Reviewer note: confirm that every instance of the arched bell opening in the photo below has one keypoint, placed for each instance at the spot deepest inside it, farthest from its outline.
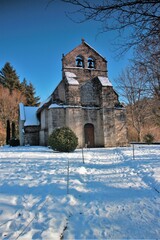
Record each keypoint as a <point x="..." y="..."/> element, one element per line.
<point x="91" y="63"/>
<point x="79" y="61"/>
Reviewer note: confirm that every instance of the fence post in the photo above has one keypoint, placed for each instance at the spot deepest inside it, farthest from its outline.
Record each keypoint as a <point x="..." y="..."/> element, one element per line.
<point x="82" y="155"/>
<point x="68" y="177"/>
<point x="133" y="151"/>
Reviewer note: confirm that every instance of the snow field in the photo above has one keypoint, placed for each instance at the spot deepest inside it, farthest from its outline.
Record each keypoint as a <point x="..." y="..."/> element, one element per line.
<point x="110" y="196"/>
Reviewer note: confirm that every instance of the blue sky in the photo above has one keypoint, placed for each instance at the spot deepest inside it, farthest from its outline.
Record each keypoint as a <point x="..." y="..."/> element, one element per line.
<point x="33" y="37"/>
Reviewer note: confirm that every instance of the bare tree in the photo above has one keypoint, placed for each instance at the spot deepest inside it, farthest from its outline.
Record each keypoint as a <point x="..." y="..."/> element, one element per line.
<point x="147" y="61"/>
<point x="140" y="17"/>
<point x="133" y="89"/>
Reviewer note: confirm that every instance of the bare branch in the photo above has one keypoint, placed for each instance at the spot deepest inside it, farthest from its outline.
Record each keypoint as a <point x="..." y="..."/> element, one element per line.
<point x="141" y="17"/>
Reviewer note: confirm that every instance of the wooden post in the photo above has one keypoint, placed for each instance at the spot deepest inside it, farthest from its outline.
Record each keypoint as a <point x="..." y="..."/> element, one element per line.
<point x="68" y="177"/>
<point x="133" y="152"/>
<point x="8" y="136"/>
<point x="13" y="130"/>
<point x="82" y="155"/>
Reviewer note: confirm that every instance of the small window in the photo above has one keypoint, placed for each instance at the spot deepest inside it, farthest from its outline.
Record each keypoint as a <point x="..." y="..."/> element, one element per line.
<point x="91" y="62"/>
<point x="79" y="61"/>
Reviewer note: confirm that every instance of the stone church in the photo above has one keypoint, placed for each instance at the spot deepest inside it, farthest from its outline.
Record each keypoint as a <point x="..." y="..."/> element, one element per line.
<point x="84" y="100"/>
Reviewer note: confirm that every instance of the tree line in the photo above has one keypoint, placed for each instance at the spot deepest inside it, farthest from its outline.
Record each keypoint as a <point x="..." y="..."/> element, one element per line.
<point x="139" y="84"/>
<point x="12" y="92"/>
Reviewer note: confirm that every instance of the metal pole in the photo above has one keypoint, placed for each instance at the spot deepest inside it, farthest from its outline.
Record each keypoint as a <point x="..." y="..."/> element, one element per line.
<point x="82" y="155"/>
<point x="133" y="152"/>
<point x="68" y="178"/>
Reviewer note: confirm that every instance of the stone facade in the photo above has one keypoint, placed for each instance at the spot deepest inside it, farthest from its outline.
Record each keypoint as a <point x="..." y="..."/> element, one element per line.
<point x="85" y="101"/>
<point x="32" y="135"/>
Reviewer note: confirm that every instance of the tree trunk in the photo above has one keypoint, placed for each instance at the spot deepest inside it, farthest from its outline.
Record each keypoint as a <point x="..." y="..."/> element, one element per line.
<point x="13" y="130"/>
<point x="8" y="132"/>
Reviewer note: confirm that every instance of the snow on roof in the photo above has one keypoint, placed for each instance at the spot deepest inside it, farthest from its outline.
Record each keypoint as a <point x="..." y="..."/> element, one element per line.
<point x="54" y="105"/>
<point x="105" y="81"/>
<point x="30" y="116"/>
<point x="71" y="78"/>
<point x="21" y="112"/>
<point x="46" y="101"/>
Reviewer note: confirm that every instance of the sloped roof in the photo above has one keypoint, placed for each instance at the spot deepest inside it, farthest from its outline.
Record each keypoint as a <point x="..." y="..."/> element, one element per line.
<point x="28" y="115"/>
<point x="21" y="112"/>
<point x="83" y="42"/>
<point x="45" y="101"/>
<point x="54" y="105"/>
<point x="44" y="104"/>
<point x="71" y="78"/>
<point x="105" y="81"/>
<point x="31" y="117"/>
<point x="86" y="44"/>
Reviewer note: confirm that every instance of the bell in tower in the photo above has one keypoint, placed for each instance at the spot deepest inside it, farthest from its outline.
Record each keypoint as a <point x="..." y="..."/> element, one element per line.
<point x="91" y="63"/>
<point x="79" y="62"/>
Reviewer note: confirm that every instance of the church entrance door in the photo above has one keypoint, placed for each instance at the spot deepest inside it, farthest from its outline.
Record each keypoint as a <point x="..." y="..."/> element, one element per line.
<point x="89" y="134"/>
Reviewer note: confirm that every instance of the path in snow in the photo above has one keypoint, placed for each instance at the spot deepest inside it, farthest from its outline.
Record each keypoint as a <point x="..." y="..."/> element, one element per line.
<point x="110" y="196"/>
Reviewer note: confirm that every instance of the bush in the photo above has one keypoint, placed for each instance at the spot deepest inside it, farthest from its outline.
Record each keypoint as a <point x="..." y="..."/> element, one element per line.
<point x="63" y="140"/>
<point x="14" y="142"/>
<point x="148" y="138"/>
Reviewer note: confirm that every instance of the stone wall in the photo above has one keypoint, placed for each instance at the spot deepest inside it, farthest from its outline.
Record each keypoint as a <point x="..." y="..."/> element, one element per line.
<point x="108" y="97"/>
<point x="56" y="118"/>
<point x="31" y="135"/>
<point x="76" y="118"/>
<point x="43" y="135"/>
<point x="121" y="127"/>
<point x="115" y="130"/>
<point x="72" y="95"/>
<point x="109" y="124"/>
<point x="109" y="127"/>
<point x="59" y="94"/>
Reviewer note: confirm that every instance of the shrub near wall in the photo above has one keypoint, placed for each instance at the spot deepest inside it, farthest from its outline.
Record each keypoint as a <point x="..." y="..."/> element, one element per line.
<point x="14" y="142"/>
<point x="148" y="138"/>
<point x="63" y="140"/>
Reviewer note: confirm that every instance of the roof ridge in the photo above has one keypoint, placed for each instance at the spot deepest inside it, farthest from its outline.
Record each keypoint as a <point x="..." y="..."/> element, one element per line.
<point x="84" y="42"/>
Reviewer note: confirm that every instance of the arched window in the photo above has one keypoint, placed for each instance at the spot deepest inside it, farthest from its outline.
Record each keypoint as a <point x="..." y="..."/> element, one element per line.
<point x="91" y="62"/>
<point x="79" y="61"/>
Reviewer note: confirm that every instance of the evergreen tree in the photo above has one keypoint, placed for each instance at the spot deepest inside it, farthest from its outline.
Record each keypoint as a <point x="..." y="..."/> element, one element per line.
<point x="24" y="86"/>
<point x="12" y="92"/>
<point x="9" y="78"/>
<point x="29" y="92"/>
<point x="30" y="96"/>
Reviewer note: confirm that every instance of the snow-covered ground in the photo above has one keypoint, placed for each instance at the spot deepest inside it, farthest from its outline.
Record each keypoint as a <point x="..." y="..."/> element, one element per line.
<point x="110" y="196"/>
